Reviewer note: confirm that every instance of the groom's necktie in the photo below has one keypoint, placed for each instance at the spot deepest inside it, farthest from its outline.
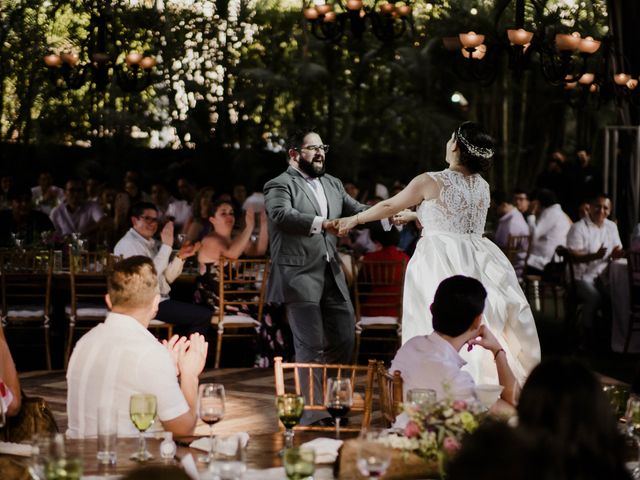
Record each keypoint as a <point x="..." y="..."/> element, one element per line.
<point x="318" y="192"/>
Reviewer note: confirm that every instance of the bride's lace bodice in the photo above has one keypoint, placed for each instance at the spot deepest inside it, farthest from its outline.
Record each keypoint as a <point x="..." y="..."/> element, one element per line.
<point x="460" y="206"/>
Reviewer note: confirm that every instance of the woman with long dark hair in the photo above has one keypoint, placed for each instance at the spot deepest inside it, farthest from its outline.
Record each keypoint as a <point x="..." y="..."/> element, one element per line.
<point x="562" y="402"/>
<point x="453" y="205"/>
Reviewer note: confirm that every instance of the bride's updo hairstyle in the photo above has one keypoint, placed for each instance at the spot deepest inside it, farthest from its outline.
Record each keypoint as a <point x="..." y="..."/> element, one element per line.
<point x="476" y="146"/>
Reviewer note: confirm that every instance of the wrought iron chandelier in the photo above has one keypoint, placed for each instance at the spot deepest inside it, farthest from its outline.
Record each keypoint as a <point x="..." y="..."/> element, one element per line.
<point x="132" y="71"/>
<point x="564" y="56"/>
<point x="389" y="20"/>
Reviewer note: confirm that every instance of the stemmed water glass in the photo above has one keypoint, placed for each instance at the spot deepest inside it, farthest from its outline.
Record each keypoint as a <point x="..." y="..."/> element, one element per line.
<point x="374" y="455"/>
<point x="632" y="417"/>
<point x="338" y="399"/>
<point x="290" y="408"/>
<point x="210" y="410"/>
<point x="142" y="410"/>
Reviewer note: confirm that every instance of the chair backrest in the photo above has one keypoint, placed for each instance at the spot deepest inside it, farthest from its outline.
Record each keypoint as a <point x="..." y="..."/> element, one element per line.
<point x="517" y="244"/>
<point x="26" y="279"/>
<point x="88" y="279"/>
<point x="633" y="265"/>
<point x="378" y="287"/>
<point x="242" y="282"/>
<point x="288" y="380"/>
<point x="390" y="387"/>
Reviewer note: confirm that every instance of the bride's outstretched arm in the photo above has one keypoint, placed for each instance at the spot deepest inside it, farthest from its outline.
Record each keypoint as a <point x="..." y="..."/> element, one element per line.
<point x="419" y="188"/>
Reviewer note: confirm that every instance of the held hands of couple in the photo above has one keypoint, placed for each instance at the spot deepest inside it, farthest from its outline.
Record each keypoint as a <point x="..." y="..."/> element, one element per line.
<point x="340" y="226"/>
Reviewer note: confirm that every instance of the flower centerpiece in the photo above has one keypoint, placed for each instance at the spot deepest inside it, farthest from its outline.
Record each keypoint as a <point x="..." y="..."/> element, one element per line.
<point x="434" y="432"/>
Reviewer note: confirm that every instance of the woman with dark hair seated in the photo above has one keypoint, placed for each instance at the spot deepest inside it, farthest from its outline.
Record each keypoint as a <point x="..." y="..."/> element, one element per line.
<point x="562" y="403"/>
<point x="453" y="205"/>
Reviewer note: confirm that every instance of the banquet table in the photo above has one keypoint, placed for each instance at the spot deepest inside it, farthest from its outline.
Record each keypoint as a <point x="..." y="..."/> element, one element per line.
<point x="261" y="453"/>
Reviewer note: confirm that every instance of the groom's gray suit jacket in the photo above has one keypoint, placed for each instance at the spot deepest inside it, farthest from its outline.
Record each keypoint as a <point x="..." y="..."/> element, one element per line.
<point x="299" y="258"/>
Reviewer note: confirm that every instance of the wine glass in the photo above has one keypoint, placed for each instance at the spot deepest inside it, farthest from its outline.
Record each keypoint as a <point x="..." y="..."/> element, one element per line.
<point x="374" y="455"/>
<point x="210" y="410"/>
<point x="299" y="463"/>
<point x="290" y="408"/>
<point x="142" y="410"/>
<point x="338" y="399"/>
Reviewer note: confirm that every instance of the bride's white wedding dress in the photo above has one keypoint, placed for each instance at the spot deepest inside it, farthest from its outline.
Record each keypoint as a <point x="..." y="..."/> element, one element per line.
<point x="452" y="244"/>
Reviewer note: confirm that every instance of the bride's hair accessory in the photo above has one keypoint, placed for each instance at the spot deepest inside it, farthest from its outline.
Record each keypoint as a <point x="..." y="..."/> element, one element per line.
<point x="481" y="152"/>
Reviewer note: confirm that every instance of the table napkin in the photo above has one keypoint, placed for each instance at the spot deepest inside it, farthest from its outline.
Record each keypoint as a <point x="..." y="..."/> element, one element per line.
<point x="276" y="473"/>
<point x="326" y="449"/>
<point x="189" y="466"/>
<point x="224" y="445"/>
<point x="10" y="448"/>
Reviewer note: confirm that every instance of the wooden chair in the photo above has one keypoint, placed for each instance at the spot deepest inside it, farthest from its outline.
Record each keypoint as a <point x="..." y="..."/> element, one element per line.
<point x="88" y="286"/>
<point x="391" y="397"/>
<point x="242" y="284"/>
<point x="288" y="380"/>
<point x="26" y="292"/>
<point x="517" y="251"/>
<point x="378" y="288"/>
<point x="560" y="285"/>
<point x="633" y="266"/>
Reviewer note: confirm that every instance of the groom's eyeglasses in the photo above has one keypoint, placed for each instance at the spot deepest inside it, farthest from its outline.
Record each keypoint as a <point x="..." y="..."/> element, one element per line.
<point x="316" y="148"/>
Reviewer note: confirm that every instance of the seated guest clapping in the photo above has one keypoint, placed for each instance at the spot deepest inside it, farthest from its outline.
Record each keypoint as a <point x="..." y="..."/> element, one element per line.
<point x="139" y="241"/>
<point x="432" y="361"/>
<point x="219" y="243"/>
<point x="120" y="357"/>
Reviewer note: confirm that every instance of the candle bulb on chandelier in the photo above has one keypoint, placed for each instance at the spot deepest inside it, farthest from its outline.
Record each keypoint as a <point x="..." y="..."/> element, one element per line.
<point x="586" y="78"/>
<point x="588" y="45"/>
<point x="632" y="83"/>
<point x="519" y="36"/>
<point x="354" y="4"/>
<point x="323" y="9"/>
<point x="471" y="39"/>
<point x="52" y="60"/>
<point x="70" y="59"/>
<point x="133" y="58"/>
<point x="621" y="78"/>
<point x="310" y="13"/>
<point x="147" y="63"/>
<point x="330" y="17"/>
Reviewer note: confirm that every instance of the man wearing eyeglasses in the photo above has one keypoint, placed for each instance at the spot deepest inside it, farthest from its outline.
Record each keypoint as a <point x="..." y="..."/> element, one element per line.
<point x="139" y="241"/>
<point x="306" y="275"/>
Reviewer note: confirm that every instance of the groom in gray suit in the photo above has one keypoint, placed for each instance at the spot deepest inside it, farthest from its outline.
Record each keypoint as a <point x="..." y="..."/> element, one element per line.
<point x="306" y="275"/>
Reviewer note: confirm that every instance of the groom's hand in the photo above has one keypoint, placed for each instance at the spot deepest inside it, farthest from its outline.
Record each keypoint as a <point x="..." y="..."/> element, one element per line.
<point x="330" y="226"/>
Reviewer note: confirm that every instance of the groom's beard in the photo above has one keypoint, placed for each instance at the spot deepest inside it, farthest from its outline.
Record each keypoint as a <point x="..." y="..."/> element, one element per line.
<point x="315" y="168"/>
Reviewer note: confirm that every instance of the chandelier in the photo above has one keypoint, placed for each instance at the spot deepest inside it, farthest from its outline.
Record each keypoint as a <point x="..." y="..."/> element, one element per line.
<point x="564" y="56"/>
<point x="389" y="20"/>
<point x="131" y="70"/>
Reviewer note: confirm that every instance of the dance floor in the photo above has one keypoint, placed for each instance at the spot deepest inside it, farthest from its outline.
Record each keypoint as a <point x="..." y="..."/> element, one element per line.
<point x="250" y="395"/>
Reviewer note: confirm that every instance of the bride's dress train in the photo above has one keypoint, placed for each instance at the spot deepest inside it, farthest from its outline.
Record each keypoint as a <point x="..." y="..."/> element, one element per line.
<point x="452" y="244"/>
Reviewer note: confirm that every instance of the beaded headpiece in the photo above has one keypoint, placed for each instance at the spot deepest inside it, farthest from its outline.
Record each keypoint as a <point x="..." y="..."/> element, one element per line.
<point x="481" y="152"/>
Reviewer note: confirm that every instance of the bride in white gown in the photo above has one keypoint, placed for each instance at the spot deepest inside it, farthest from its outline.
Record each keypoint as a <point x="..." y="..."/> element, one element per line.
<point x="453" y="209"/>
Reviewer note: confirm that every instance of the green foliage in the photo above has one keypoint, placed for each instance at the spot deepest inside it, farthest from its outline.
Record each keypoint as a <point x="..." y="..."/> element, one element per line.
<point x="241" y="74"/>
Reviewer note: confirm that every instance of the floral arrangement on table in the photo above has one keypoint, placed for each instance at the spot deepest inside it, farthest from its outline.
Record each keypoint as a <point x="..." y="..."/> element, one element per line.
<point x="435" y="432"/>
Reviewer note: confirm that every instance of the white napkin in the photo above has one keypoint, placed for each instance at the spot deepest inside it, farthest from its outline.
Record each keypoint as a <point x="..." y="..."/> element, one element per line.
<point x="326" y="449"/>
<point x="10" y="448"/>
<point x="189" y="466"/>
<point x="225" y="445"/>
<point x="276" y="473"/>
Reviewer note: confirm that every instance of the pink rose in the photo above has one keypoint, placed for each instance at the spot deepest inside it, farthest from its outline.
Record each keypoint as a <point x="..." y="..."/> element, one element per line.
<point x="450" y="445"/>
<point x="459" y="405"/>
<point x="411" y="430"/>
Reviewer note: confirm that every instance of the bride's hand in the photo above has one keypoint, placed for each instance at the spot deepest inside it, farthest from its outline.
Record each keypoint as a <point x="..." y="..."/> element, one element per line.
<point x="346" y="224"/>
<point x="404" y="216"/>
